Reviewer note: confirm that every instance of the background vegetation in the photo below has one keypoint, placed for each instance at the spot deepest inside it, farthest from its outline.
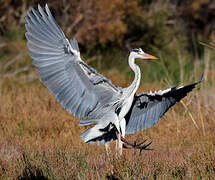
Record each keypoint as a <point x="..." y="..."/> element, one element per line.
<point x="39" y="139"/>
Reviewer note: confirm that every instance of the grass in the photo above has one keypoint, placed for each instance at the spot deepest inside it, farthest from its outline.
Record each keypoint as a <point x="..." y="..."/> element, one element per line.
<point x="40" y="140"/>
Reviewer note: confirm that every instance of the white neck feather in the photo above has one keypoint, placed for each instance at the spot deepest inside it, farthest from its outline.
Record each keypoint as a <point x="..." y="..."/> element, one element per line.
<point x="136" y="82"/>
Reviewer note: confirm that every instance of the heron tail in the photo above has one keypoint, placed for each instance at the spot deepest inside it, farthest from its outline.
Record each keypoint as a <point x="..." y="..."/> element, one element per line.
<point x="92" y="133"/>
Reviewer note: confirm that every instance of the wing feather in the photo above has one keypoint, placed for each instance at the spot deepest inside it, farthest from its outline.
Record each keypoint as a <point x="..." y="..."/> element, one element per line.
<point x="148" y="108"/>
<point x="34" y="39"/>
<point x="61" y="68"/>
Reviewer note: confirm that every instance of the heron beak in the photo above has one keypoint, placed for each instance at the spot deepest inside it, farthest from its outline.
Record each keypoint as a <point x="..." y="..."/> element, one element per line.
<point x="148" y="56"/>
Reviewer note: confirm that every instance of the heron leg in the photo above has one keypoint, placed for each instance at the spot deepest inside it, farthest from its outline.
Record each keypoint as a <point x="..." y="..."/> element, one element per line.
<point x="122" y="128"/>
<point x="119" y="143"/>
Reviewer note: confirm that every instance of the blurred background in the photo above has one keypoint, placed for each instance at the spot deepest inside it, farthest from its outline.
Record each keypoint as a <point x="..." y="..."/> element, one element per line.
<point x="171" y="30"/>
<point x="179" y="32"/>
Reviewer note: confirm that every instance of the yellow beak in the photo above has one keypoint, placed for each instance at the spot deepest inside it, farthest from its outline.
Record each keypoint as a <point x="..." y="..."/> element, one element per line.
<point x="148" y="56"/>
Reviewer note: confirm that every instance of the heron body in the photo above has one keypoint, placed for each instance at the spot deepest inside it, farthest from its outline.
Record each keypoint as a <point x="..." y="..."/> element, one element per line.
<point x="88" y="95"/>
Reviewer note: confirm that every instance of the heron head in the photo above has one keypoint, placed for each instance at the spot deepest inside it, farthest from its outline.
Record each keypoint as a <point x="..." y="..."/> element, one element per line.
<point x="139" y="53"/>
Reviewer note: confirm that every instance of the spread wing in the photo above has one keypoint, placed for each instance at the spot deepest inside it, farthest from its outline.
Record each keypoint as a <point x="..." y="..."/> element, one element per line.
<point x="148" y="108"/>
<point x="77" y="86"/>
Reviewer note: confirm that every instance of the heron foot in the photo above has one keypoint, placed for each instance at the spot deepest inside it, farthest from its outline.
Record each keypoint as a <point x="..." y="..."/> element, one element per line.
<point x="141" y="146"/>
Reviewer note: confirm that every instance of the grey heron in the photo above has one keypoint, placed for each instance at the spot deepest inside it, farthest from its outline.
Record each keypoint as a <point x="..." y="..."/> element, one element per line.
<point x="88" y="95"/>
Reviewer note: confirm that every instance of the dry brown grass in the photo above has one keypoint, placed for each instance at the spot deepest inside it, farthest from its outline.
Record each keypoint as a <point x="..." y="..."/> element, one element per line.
<point x="38" y="138"/>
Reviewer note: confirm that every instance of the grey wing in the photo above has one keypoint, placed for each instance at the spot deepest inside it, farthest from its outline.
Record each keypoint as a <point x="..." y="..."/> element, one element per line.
<point x="78" y="87"/>
<point x="148" y="108"/>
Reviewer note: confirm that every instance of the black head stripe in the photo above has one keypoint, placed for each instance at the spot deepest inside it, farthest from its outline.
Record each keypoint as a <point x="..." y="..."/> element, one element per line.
<point x="136" y="50"/>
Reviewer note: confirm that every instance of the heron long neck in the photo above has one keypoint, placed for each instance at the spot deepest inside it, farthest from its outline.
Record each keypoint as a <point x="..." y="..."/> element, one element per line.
<point x="136" y="82"/>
